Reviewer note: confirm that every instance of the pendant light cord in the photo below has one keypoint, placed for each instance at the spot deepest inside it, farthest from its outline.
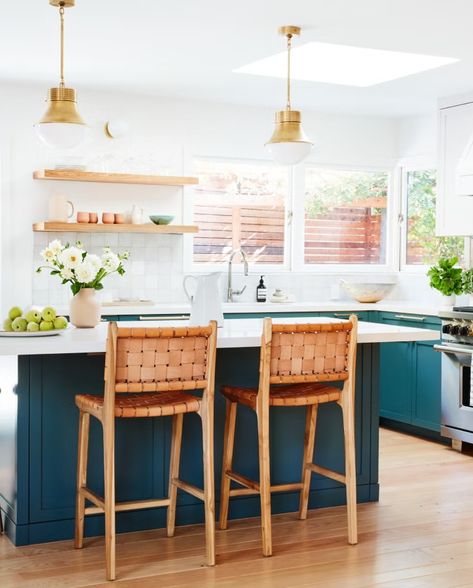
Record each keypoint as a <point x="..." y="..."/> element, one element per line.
<point x="289" y="45"/>
<point x="61" y="16"/>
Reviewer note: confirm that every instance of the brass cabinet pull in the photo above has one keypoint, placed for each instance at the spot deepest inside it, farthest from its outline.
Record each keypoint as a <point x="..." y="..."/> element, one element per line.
<point x="419" y="319"/>
<point x="169" y="317"/>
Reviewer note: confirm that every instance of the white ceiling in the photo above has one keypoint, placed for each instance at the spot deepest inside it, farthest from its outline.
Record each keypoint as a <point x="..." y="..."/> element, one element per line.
<point x="188" y="48"/>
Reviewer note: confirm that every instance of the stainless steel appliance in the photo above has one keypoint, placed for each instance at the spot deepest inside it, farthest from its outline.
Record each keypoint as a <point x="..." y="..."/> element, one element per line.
<point x="457" y="350"/>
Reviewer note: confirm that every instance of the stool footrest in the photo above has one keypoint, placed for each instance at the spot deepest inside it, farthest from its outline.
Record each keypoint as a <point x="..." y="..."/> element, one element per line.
<point x="98" y="501"/>
<point x="252" y="487"/>
<point x="92" y="497"/>
<point x="189" y="488"/>
<point x="243" y="480"/>
<point x="326" y="472"/>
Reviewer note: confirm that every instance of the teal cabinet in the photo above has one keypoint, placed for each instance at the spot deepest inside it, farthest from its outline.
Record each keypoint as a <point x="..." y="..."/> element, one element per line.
<point x="395" y="385"/>
<point x="410" y="375"/>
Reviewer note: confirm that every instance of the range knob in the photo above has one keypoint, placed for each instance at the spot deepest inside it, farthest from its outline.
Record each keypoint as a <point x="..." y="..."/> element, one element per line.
<point x="464" y="331"/>
<point x="447" y="329"/>
<point x="455" y="330"/>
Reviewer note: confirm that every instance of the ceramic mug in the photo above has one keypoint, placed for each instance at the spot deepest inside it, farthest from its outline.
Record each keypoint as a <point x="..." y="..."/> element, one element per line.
<point x="93" y="217"/>
<point x="58" y="208"/>
<point x="83" y="217"/>
<point x="119" y="218"/>
<point x="108" y="218"/>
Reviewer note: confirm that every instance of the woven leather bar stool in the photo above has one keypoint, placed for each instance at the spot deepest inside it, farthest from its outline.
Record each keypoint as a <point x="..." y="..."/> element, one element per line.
<point x="298" y="364"/>
<point x="148" y="373"/>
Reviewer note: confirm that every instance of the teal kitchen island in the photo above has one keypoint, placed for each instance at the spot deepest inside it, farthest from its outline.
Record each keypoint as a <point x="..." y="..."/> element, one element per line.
<point x="38" y="432"/>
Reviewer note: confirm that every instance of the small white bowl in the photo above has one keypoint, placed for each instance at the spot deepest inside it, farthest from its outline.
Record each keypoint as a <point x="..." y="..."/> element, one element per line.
<point x="367" y="292"/>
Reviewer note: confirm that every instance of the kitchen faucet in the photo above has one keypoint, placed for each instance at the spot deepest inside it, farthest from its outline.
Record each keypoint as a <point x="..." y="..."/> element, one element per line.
<point x="230" y="291"/>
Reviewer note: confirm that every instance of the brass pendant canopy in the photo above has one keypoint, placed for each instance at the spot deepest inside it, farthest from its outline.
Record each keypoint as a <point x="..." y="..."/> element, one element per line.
<point x="62" y="110"/>
<point x="62" y="107"/>
<point x="289" y="144"/>
<point x="288" y="128"/>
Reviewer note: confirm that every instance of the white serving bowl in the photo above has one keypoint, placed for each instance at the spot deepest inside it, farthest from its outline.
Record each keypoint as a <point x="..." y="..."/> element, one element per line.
<point x="367" y="291"/>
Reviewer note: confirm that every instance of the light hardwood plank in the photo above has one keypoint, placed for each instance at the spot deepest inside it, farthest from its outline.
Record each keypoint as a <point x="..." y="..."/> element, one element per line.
<point x="418" y="536"/>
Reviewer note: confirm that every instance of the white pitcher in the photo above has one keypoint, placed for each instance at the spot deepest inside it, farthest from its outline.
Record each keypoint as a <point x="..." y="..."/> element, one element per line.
<point x="206" y="302"/>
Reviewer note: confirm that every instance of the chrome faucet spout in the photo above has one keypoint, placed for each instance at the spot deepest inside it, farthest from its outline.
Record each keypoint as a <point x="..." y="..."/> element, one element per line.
<point x="230" y="291"/>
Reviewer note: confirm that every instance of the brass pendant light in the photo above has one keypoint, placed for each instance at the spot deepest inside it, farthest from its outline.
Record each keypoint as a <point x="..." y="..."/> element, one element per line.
<point x="61" y="125"/>
<point x="289" y="144"/>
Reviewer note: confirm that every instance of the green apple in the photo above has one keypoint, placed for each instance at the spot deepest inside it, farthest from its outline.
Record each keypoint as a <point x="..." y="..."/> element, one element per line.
<point x="32" y="327"/>
<point x="60" y="322"/>
<point x="46" y="326"/>
<point x="7" y="325"/>
<point x="14" y="313"/>
<point x="48" y="314"/>
<point x="19" y="324"/>
<point x="33" y="316"/>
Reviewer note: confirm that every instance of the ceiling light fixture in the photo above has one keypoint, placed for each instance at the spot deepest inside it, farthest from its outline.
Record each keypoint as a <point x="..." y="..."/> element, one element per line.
<point x="61" y="126"/>
<point x="289" y="144"/>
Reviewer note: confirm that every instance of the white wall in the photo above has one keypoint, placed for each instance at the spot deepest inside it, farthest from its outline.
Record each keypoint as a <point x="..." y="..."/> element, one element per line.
<point x="171" y="131"/>
<point x="418" y="140"/>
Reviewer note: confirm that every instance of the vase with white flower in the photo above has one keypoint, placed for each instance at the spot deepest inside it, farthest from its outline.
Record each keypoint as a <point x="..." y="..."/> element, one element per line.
<point x="84" y="272"/>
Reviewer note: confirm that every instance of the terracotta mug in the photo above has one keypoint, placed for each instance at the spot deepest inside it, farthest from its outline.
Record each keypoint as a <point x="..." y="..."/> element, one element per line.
<point x="108" y="218"/>
<point x="83" y="217"/>
<point x="119" y="218"/>
<point x="93" y="217"/>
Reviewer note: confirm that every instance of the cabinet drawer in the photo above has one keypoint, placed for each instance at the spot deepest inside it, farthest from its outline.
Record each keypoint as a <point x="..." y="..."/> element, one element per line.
<point x="419" y="321"/>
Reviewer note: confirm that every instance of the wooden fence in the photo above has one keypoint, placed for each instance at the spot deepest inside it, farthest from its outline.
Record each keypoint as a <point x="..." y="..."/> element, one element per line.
<point x="344" y="235"/>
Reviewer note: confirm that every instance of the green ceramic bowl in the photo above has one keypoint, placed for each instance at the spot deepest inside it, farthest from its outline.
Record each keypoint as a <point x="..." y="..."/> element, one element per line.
<point x="161" y="219"/>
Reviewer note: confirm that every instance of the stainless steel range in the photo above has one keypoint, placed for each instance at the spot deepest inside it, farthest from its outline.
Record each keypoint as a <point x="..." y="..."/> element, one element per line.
<point x="457" y="351"/>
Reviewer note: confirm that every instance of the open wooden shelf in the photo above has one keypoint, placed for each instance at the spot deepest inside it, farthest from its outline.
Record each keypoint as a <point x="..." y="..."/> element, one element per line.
<point x="55" y="227"/>
<point x="112" y="178"/>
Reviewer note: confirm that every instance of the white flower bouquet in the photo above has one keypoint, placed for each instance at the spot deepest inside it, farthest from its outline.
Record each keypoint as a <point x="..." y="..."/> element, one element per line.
<point x="75" y="266"/>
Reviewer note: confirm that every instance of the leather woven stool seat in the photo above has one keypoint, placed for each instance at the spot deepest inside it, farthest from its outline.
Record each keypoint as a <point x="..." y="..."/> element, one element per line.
<point x="144" y="404"/>
<point x="302" y="394"/>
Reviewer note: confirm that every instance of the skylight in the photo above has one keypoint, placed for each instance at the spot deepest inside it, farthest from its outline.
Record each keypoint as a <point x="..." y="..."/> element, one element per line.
<point x="344" y="64"/>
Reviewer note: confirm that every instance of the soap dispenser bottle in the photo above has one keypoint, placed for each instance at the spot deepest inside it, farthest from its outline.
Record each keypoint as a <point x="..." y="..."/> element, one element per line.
<point x="261" y="291"/>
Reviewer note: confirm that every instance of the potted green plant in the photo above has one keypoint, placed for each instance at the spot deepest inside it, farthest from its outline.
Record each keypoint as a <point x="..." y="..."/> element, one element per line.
<point x="446" y="277"/>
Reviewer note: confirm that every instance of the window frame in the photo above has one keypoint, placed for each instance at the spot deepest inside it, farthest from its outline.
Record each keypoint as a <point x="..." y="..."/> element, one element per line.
<point x="299" y="222"/>
<point x="190" y="266"/>
<point x="404" y="168"/>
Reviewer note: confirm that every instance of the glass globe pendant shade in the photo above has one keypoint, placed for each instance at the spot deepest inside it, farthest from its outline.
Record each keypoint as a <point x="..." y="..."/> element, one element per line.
<point x="289" y="144"/>
<point x="61" y="127"/>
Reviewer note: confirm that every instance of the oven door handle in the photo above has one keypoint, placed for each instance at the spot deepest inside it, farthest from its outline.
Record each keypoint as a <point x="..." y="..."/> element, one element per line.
<point x="454" y="350"/>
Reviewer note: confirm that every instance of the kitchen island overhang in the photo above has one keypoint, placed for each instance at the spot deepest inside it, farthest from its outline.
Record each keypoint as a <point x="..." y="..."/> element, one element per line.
<point x="38" y="432"/>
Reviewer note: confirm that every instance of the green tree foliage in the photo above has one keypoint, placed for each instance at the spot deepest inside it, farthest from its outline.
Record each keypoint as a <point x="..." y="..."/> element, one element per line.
<point x="422" y="189"/>
<point x="327" y="189"/>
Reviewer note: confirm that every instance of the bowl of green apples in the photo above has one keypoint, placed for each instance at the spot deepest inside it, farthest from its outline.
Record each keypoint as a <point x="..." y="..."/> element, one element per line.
<point x="33" y="323"/>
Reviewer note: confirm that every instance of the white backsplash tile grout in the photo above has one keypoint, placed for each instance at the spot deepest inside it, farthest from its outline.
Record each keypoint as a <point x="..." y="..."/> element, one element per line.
<point x="154" y="271"/>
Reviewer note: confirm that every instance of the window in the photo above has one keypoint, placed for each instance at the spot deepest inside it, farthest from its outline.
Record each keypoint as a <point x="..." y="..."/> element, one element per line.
<point x="345" y="216"/>
<point x="240" y="205"/>
<point x="422" y="246"/>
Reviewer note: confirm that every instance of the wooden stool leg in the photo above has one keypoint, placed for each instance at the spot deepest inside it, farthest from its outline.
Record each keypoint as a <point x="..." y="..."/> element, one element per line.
<point x="206" y="413"/>
<point x="350" y="468"/>
<point x="309" y="442"/>
<point x="265" y="479"/>
<point x="109" y="494"/>
<point x="228" y="444"/>
<point x="176" y="442"/>
<point x="81" y="482"/>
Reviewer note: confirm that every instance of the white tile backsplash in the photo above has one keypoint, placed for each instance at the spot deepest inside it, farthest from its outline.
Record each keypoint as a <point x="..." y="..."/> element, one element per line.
<point x="154" y="271"/>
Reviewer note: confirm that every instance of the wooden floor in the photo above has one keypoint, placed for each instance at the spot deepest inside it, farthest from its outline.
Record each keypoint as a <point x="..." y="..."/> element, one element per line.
<point x="420" y="534"/>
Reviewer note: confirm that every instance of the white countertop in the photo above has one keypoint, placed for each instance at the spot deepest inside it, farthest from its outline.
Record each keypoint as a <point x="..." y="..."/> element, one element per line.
<point x="235" y="333"/>
<point x="267" y="307"/>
